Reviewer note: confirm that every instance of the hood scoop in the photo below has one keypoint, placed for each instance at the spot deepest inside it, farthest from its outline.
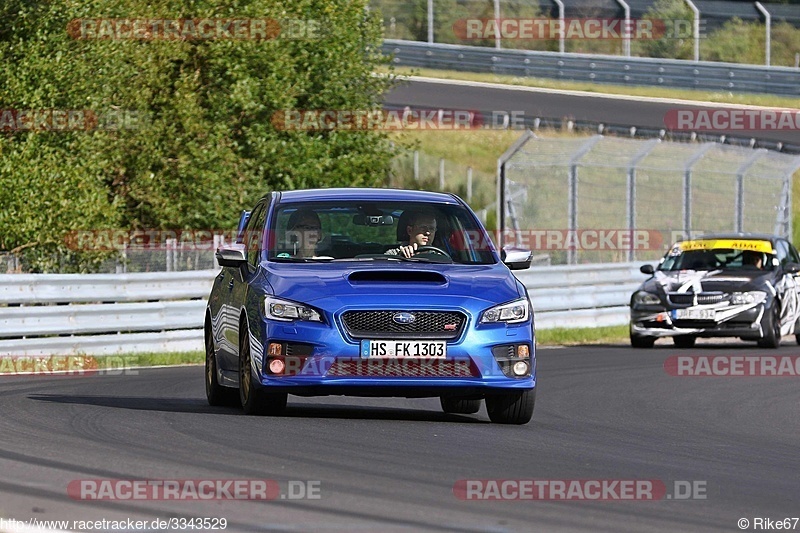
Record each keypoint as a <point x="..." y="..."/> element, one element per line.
<point x="396" y="276"/>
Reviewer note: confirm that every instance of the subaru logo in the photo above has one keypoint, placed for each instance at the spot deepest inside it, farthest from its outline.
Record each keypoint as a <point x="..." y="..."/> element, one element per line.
<point x="404" y="318"/>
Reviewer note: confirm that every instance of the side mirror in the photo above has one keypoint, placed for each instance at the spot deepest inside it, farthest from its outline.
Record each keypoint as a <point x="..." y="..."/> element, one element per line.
<point x="516" y="258"/>
<point x="232" y="256"/>
<point x="791" y="268"/>
<point x="647" y="269"/>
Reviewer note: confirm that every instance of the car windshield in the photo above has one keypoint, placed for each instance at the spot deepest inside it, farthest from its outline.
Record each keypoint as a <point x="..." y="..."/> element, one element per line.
<point x="716" y="259"/>
<point x="375" y="231"/>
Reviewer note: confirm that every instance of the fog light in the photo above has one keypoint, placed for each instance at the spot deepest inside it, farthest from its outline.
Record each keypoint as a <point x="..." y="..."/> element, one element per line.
<point x="520" y="368"/>
<point x="523" y="352"/>
<point x="275" y="348"/>
<point x="276" y="366"/>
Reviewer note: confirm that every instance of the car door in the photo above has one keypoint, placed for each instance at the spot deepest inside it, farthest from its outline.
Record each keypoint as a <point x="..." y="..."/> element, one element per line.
<point x="253" y="241"/>
<point x="234" y="288"/>
<point x="788" y="287"/>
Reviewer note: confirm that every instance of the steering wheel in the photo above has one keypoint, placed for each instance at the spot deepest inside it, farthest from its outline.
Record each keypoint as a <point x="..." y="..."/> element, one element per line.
<point x="432" y="249"/>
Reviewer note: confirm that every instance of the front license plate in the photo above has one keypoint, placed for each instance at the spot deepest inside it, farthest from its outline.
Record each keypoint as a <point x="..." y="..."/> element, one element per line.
<point x="397" y="348"/>
<point x="694" y="314"/>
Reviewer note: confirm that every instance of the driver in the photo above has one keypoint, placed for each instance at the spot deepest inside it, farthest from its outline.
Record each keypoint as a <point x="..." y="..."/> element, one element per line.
<point x="752" y="259"/>
<point x="421" y="231"/>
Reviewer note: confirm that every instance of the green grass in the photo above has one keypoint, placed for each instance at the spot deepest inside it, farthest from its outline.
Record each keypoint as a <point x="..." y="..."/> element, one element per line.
<point x="724" y="97"/>
<point x="153" y="359"/>
<point x="578" y="336"/>
<point x="80" y="363"/>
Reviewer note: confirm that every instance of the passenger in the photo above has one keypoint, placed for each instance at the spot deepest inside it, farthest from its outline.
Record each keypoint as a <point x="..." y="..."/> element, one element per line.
<point x="304" y="232"/>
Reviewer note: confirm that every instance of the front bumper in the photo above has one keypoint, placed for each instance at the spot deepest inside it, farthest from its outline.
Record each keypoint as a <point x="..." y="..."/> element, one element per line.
<point x="331" y="364"/>
<point x="730" y="321"/>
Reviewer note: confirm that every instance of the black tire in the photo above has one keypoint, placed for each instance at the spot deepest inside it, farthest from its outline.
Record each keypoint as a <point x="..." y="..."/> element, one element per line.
<point x="252" y="397"/>
<point x="511" y="408"/>
<point x="684" y="341"/>
<point x="216" y="394"/>
<point x="641" y="341"/>
<point x="771" y="326"/>
<point x="459" y="406"/>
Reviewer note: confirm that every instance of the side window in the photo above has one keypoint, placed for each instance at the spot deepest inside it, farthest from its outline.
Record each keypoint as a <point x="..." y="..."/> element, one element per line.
<point x="253" y="233"/>
<point x="793" y="257"/>
<point x="783" y="253"/>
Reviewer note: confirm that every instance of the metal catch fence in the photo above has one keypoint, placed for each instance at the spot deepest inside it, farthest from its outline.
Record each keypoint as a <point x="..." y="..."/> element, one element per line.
<point x="609" y="199"/>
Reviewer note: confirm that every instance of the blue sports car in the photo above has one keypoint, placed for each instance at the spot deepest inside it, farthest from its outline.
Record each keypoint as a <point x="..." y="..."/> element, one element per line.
<point x="369" y="292"/>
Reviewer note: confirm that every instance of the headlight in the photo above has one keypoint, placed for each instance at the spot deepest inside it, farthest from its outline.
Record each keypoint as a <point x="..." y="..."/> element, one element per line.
<point x="284" y="310"/>
<point x="646" y="298"/>
<point x="752" y="297"/>
<point x="510" y="313"/>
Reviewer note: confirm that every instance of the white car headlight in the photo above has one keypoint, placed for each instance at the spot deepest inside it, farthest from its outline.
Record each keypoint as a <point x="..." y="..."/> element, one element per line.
<point x="510" y="313"/>
<point x="646" y="298"/>
<point x="287" y="311"/>
<point x="752" y="297"/>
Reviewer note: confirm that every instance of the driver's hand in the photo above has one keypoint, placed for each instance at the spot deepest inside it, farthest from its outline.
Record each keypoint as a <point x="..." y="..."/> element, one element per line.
<point x="409" y="250"/>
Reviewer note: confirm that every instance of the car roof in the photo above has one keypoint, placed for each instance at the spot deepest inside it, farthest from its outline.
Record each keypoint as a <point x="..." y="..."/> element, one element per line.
<point x="749" y="236"/>
<point x="363" y="193"/>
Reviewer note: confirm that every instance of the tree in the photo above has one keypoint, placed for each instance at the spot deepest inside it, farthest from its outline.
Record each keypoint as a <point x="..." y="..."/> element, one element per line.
<point x="196" y="143"/>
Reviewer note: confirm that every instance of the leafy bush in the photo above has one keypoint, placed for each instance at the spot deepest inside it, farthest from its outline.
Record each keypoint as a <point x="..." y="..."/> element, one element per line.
<point x="204" y="146"/>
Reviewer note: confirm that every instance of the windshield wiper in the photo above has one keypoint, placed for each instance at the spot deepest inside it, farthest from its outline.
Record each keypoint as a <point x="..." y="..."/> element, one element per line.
<point x="301" y="259"/>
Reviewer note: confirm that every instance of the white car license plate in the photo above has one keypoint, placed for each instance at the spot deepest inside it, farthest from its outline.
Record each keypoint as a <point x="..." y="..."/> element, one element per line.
<point x="694" y="314"/>
<point x="402" y="348"/>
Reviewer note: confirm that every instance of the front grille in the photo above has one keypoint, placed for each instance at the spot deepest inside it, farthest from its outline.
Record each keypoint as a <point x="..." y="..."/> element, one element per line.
<point x="426" y="325"/>
<point x="712" y="297"/>
<point x="703" y="298"/>
<point x="402" y="368"/>
<point x="681" y="298"/>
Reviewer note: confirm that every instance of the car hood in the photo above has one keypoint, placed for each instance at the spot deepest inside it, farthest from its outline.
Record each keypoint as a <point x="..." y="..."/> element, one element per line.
<point x="332" y="285"/>
<point x="708" y="281"/>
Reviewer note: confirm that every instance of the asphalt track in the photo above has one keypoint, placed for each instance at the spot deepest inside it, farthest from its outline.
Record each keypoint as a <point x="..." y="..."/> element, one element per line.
<point x="551" y="104"/>
<point x="387" y="465"/>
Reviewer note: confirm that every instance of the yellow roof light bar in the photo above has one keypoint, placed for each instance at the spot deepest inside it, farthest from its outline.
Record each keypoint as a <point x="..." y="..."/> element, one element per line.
<point x="733" y="244"/>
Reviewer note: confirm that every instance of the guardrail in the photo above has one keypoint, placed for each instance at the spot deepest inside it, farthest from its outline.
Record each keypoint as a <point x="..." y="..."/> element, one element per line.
<point x="102" y="314"/>
<point x="677" y="73"/>
<point x="581" y="296"/>
<point x="107" y="314"/>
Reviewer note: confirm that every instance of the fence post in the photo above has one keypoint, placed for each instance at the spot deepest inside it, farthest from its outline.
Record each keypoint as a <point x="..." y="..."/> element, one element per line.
<point x="687" y="187"/>
<point x="416" y="165"/>
<point x="626" y="32"/>
<point x="768" y="24"/>
<point x="441" y="174"/>
<point x="631" y="204"/>
<point x="695" y="28"/>
<point x="469" y="184"/>
<point x="572" y="201"/>
<point x="739" y="216"/>
<point x="430" y="21"/>
<point x="561" y="30"/>
<point x="501" y="182"/>
<point x="497" y="43"/>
